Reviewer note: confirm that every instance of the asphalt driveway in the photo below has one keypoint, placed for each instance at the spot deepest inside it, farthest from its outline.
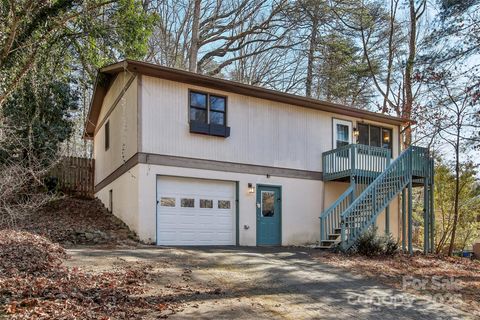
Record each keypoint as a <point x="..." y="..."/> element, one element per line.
<point x="264" y="283"/>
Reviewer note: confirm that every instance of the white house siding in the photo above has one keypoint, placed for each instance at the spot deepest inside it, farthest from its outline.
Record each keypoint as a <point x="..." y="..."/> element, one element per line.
<point x="301" y="203"/>
<point x="263" y="132"/>
<point x="125" y="198"/>
<point x="123" y="129"/>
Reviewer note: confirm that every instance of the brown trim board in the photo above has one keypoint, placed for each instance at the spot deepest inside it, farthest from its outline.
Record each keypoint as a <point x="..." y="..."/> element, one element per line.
<point x="193" y="163"/>
<point x="127" y="165"/>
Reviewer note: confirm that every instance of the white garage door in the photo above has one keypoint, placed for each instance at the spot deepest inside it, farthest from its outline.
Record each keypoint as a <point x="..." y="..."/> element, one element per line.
<point x="195" y="211"/>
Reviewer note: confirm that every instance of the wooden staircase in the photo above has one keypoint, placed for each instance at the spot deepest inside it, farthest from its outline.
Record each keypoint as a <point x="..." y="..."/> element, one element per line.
<point x="359" y="206"/>
<point x="332" y="240"/>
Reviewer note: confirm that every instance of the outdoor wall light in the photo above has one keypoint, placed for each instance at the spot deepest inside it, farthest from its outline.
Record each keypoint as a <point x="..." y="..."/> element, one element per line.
<point x="356" y="132"/>
<point x="251" y="188"/>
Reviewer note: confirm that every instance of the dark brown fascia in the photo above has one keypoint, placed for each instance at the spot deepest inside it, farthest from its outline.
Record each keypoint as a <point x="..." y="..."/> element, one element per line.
<point x="177" y="75"/>
<point x="102" y="84"/>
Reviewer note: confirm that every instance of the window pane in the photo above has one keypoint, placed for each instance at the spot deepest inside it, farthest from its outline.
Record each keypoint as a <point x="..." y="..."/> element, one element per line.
<point x="198" y="100"/>
<point x="387" y="138"/>
<point x="217" y="103"/>
<point x="341" y="143"/>
<point x="268" y="203"/>
<point x="198" y="115"/>
<point x="204" y="203"/>
<point x="363" y="136"/>
<point x="107" y="135"/>
<point x="375" y="136"/>
<point x="223" y="204"/>
<point x="217" y="118"/>
<point x="342" y="132"/>
<point x="167" y="202"/>
<point x="187" y="203"/>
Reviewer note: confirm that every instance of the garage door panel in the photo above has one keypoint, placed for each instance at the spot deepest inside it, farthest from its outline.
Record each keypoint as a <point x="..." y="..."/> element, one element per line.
<point x="204" y="223"/>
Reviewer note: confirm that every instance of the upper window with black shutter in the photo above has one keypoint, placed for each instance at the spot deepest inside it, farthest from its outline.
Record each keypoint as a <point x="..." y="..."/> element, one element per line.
<point x="208" y="114"/>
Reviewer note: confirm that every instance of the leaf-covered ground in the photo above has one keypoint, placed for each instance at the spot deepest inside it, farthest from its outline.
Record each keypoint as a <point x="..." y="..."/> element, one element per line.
<point x="440" y="275"/>
<point x="35" y="285"/>
<point x="71" y="221"/>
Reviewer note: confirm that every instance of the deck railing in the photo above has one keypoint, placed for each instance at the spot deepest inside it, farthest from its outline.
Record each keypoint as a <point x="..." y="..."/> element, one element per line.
<point x="364" y="210"/>
<point x="352" y="159"/>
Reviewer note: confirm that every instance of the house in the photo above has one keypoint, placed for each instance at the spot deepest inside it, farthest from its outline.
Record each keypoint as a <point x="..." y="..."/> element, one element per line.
<point x="188" y="159"/>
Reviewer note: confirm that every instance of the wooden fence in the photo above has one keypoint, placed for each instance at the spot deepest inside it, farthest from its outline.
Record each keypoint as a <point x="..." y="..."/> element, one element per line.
<point x="75" y="176"/>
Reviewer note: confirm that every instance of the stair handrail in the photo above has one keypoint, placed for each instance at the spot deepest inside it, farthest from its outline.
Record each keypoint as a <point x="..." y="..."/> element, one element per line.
<point x="380" y="177"/>
<point x="333" y="213"/>
<point x="405" y="156"/>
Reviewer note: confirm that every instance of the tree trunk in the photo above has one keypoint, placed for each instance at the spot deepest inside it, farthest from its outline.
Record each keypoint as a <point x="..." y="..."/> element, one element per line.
<point x="311" y="57"/>
<point x="408" y="103"/>
<point x="457" y="191"/>
<point x="193" y="56"/>
<point x="393" y="10"/>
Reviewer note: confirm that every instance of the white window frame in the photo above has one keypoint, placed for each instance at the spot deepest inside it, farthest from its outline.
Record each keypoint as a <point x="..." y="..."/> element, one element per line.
<point x="342" y="122"/>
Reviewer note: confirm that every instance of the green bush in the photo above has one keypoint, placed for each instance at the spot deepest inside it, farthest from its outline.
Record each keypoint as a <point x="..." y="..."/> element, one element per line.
<point x="371" y="244"/>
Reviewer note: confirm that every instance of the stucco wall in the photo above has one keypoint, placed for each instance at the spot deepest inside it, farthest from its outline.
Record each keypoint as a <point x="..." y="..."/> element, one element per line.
<point x="134" y="201"/>
<point x="301" y="203"/>
<point x="125" y="198"/>
<point x="123" y="128"/>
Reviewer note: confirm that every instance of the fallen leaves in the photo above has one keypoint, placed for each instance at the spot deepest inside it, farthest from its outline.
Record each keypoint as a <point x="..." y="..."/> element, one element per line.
<point x="35" y="285"/>
<point x="71" y="221"/>
<point x="391" y="270"/>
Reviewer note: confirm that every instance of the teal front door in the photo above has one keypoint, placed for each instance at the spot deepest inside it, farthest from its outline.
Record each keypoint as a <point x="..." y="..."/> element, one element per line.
<point x="269" y="216"/>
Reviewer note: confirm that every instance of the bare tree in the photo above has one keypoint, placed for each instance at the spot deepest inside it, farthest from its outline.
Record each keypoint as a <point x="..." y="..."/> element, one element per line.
<point x="209" y="36"/>
<point x="453" y="110"/>
<point x="22" y="187"/>
<point x="383" y="35"/>
<point x="193" y="55"/>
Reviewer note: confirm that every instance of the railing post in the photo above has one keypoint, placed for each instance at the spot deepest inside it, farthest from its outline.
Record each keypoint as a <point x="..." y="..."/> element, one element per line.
<point x="352" y="184"/>
<point x="404" y="221"/>
<point x="410" y="218"/>
<point x="322" y="229"/>
<point x="425" y="216"/>
<point x="387" y="219"/>
<point x="352" y="159"/>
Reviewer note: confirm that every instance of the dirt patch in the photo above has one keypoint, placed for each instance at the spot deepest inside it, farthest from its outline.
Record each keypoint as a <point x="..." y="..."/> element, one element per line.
<point x="439" y="275"/>
<point x="71" y="221"/>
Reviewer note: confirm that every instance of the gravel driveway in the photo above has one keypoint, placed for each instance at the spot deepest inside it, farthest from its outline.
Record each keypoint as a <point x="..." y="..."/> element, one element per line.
<point x="263" y="283"/>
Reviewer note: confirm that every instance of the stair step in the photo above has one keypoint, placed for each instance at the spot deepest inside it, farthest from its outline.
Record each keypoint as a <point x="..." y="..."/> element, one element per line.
<point x="334" y="236"/>
<point x="323" y="247"/>
<point x="328" y="242"/>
